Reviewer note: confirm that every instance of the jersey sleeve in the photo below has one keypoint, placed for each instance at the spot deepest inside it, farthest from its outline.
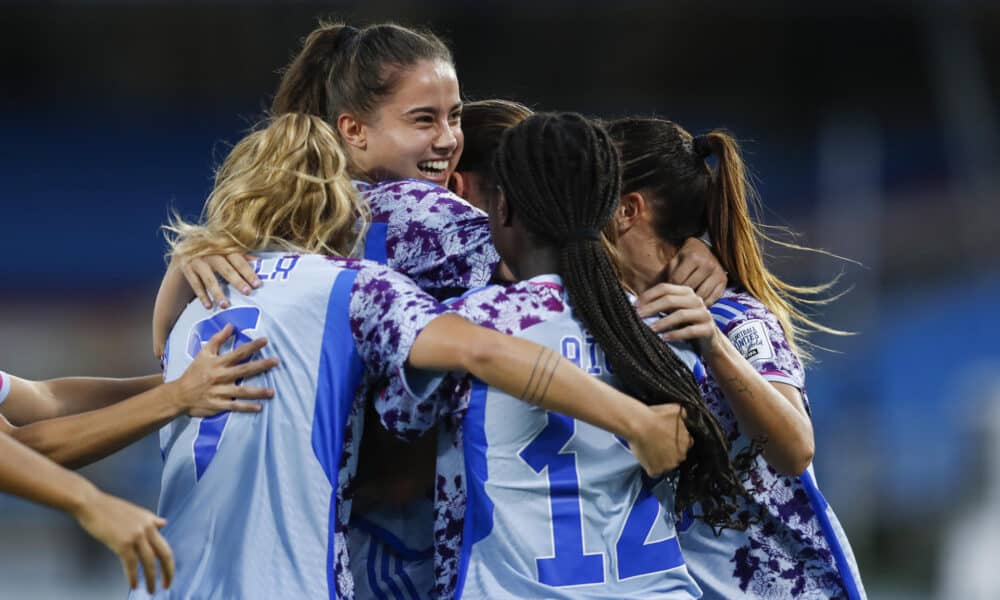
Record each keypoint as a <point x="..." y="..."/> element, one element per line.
<point x="388" y="311"/>
<point x="4" y="386"/>
<point x="756" y="332"/>
<point x="433" y="236"/>
<point x="408" y="415"/>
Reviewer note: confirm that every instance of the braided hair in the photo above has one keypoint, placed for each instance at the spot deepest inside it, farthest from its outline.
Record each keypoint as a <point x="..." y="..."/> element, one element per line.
<point x="562" y="174"/>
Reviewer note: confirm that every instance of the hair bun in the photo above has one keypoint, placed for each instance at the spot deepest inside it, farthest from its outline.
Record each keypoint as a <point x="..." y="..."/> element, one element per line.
<point x="702" y="147"/>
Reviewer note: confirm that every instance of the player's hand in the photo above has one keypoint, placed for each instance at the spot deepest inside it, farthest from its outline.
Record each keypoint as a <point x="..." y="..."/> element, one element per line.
<point x="662" y="441"/>
<point x="196" y="277"/>
<point x="130" y="532"/>
<point x="696" y="267"/>
<point x="208" y="387"/>
<point x="202" y="275"/>
<point x="687" y="318"/>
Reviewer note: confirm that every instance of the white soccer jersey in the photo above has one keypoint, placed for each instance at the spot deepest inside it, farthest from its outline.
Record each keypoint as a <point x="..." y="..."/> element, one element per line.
<point x="255" y="503"/>
<point x="532" y="504"/>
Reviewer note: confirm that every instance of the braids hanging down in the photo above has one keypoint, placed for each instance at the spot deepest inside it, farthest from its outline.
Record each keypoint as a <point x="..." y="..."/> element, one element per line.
<point x="562" y="174"/>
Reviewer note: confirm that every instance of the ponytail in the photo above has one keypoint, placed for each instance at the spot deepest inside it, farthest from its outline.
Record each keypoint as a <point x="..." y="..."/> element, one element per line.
<point x="735" y="235"/>
<point x="341" y="69"/>
<point x="303" y="87"/>
<point x="689" y="198"/>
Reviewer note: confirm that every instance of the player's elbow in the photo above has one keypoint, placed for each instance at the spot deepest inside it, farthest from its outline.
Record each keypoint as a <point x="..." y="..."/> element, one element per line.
<point x="795" y="457"/>
<point x="31" y="437"/>
<point x="803" y="457"/>
<point x="482" y="349"/>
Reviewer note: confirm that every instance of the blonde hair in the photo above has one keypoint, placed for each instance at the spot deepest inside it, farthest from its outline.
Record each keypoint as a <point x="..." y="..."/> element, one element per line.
<point x="282" y="187"/>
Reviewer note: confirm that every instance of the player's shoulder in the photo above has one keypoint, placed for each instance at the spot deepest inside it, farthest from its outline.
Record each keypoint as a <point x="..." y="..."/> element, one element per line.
<point x="755" y="331"/>
<point x="374" y="273"/>
<point x="408" y="194"/>
<point x="402" y="187"/>
<point x="515" y="307"/>
<point x="737" y="306"/>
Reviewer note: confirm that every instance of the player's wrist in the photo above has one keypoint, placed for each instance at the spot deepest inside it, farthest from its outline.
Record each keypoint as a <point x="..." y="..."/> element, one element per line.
<point x="636" y="421"/>
<point x="710" y="347"/>
<point x="175" y="396"/>
<point x="81" y="495"/>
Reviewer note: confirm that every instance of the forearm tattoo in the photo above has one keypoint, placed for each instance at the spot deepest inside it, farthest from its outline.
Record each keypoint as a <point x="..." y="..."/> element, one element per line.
<point x="541" y="377"/>
<point x="739" y="386"/>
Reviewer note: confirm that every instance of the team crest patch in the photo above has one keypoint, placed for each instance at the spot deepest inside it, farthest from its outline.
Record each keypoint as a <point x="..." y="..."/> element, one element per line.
<point x="752" y="342"/>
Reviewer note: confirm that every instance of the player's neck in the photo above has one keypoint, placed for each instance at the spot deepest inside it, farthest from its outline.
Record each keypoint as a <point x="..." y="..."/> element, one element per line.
<point x="648" y="263"/>
<point x="534" y="261"/>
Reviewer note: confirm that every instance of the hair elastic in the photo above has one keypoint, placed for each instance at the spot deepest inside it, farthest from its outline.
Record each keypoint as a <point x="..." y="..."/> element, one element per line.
<point x="347" y="35"/>
<point x="702" y="148"/>
<point x="584" y="234"/>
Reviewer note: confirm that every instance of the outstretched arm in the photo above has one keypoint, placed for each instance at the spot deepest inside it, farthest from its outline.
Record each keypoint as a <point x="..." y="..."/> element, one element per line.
<point x="129" y="531"/>
<point x="31" y="401"/>
<point x="206" y="388"/>
<point x="540" y="376"/>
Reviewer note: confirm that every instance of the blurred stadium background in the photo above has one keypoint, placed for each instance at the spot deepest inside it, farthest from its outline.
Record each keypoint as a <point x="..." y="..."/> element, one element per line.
<point x="872" y="127"/>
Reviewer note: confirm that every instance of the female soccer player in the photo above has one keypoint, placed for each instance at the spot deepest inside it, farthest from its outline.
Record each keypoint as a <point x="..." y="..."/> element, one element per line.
<point x="556" y="508"/>
<point x="78" y="420"/>
<point x="755" y="383"/>
<point x="235" y="487"/>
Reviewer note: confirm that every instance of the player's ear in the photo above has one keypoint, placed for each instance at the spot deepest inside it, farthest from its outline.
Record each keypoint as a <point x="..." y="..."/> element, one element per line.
<point x="458" y="184"/>
<point x="504" y="212"/>
<point x="631" y="210"/>
<point x="352" y="131"/>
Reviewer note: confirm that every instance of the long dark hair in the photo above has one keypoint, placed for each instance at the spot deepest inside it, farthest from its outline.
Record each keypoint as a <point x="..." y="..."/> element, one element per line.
<point x="690" y="198"/>
<point x="483" y="122"/>
<point x="561" y="174"/>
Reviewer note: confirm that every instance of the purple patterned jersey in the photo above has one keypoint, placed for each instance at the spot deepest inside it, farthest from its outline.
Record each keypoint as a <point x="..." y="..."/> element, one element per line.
<point x="429" y="234"/>
<point x="796" y="547"/>
<point x="387" y="312"/>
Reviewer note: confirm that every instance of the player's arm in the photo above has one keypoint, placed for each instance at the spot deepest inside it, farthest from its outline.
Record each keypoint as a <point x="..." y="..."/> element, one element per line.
<point x="129" y="531"/>
<point x="187" y="278"/>
<point x="540" y="376"/>
<point x="765" y="410"/>
<point x="205" y="389"/>
<point x="30" y="401"/>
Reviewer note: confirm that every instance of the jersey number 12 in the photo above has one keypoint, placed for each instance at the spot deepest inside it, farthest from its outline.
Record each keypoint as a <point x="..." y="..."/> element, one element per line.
<point x="570" y="564"/>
